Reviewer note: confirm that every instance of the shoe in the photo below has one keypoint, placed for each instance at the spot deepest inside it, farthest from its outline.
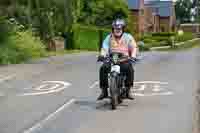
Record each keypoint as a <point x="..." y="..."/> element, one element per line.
<point x="104" y="94"/>
<point x="119" y="100"/>
<point x="129" y="95"/>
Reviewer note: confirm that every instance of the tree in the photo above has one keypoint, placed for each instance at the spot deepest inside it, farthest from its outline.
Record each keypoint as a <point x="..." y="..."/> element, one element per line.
<point x="49" y="18"/>
<point x="183" y="10"/>
<point x="196" y="7"/>
<point x="102" y="12"/>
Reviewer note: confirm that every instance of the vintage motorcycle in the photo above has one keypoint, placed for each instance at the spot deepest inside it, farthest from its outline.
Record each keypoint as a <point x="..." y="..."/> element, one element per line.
<point x="116" y="79"/>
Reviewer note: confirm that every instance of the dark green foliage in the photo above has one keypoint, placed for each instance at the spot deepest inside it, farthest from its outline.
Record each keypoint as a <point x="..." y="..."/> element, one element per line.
<point x="102" y="12"/>
<point x="183" y="10"/>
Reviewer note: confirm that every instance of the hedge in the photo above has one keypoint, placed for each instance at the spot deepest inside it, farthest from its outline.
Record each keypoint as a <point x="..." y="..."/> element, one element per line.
<point x="164" y="34"/>
<point x="85" y="37"/>
<point x="164" y="39"/>
<point x="185" y="37"/>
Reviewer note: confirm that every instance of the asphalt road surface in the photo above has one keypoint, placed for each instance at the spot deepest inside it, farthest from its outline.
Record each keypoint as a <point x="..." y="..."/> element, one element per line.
<point x="58" y="95"/>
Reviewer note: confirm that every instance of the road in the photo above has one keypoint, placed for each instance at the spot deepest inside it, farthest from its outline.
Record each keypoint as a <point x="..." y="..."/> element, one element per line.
<point x="58" y="95"/>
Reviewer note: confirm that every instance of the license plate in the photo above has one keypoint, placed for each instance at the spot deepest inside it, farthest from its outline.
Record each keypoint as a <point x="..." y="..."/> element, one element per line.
<point x="115" y="68"/>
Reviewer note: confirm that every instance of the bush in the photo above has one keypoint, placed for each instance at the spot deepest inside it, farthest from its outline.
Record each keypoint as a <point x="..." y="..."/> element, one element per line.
<point x="144" y="48"/>
<point x="158" y="39"/>
<point x="4" y="29"/>
<point x="8" y="55"/>
<point x="29" y="46"/>
<point x="20" y="47"/>
<point x="85" y="37"/>
<point x="186" y="36"/>
<point x="164" y="39"/>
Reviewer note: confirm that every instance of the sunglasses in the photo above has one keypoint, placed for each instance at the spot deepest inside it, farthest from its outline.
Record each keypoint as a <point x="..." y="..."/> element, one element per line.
<point x="118" y="29"/>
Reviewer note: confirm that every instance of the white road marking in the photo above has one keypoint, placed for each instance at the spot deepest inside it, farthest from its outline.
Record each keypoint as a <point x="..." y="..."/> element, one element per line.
<point x="150" y="82"/>
<point x="42" y="93"/>
<point x="41" y="88"/>
<point x="157" y="88"/>
<point x="154" y="94"/>
<point x="3" y="78"/>
<point x="142" y="87"/>
<point x="94" y="84"/>
<point x="139" y="82"/>
<point x="50" y="117"/>
<point x="156" y="91"/>
<point x="57" y="87"/>
<point x="139" y="94"/>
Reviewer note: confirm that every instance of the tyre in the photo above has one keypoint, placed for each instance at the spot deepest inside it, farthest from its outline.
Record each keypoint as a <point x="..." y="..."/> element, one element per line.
<point x="113" y="92"/>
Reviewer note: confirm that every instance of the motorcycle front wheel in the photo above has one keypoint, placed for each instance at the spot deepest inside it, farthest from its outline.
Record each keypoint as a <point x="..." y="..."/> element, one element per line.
<point x="113" y="92"/>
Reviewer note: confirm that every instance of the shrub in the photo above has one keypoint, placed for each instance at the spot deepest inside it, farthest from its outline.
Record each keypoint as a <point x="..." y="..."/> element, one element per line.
<point x="20" y="47"/>
<point x="158" y="39"/>
<point x="144" y="48"/>
<point x="186" y="36"/>
<point x="29" y="46"/>
<point x="85" y="37"/>
<point x="4" y="29"/>
<point x="8" y="55"/>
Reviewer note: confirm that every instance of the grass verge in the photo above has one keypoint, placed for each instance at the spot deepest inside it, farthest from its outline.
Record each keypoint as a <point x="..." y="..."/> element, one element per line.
<point x="185" y="46"/>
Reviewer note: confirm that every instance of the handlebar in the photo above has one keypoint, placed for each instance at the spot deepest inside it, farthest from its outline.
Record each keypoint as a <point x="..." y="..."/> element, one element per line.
<point x="124" y="59"/>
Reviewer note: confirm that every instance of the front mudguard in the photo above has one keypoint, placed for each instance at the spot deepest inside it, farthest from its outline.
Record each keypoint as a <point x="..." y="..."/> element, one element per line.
<point x="119" y="83"/>
<point x="113" y="83"/>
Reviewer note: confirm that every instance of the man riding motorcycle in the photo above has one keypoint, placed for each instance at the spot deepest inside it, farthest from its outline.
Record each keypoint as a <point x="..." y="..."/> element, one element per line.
<point x="118" y="41"/>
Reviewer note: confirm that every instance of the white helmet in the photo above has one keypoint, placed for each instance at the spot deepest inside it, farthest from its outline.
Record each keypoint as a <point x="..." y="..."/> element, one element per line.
<point x="119" y="23"/>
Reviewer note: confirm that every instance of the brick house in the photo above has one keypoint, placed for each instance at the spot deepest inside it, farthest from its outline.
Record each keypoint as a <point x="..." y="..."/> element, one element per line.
<point x="136" y="8"/>
<point x="153" y="16"/>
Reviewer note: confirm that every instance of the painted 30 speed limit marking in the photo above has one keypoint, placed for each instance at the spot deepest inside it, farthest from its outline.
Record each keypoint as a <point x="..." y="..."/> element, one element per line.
<point x="151" y="88"/>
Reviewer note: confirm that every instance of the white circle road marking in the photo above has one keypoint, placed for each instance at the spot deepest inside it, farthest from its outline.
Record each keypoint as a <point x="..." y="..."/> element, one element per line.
<point x="154" y="94"/>
<point x="157" y="88"/>
<point x="139" y="82"/>
<point x="94" y="84"/>
<point x="49" y="117"/>
<point x="5" y="78"/>
<point x="150" y="82"/>
<point x="57" y="87"/>
<point x="142" y="88"/>
<point x="156" y="91"/>
<point x="43" y="87"/>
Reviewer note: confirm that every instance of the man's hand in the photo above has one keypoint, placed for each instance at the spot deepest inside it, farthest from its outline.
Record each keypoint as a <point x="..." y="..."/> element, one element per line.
<point x="132" y="59"/>
<point x="100" y="58"/>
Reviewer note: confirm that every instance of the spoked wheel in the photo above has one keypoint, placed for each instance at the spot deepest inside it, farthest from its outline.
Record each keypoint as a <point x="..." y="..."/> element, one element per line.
<point x="113" y="92"/>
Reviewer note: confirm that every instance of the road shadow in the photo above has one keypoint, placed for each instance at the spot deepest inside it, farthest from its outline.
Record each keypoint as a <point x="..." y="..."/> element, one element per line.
<point x="103" y="105"/>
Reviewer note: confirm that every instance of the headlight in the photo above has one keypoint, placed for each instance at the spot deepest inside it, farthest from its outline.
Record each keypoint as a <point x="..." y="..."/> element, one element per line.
<point x="115" y="58"/>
